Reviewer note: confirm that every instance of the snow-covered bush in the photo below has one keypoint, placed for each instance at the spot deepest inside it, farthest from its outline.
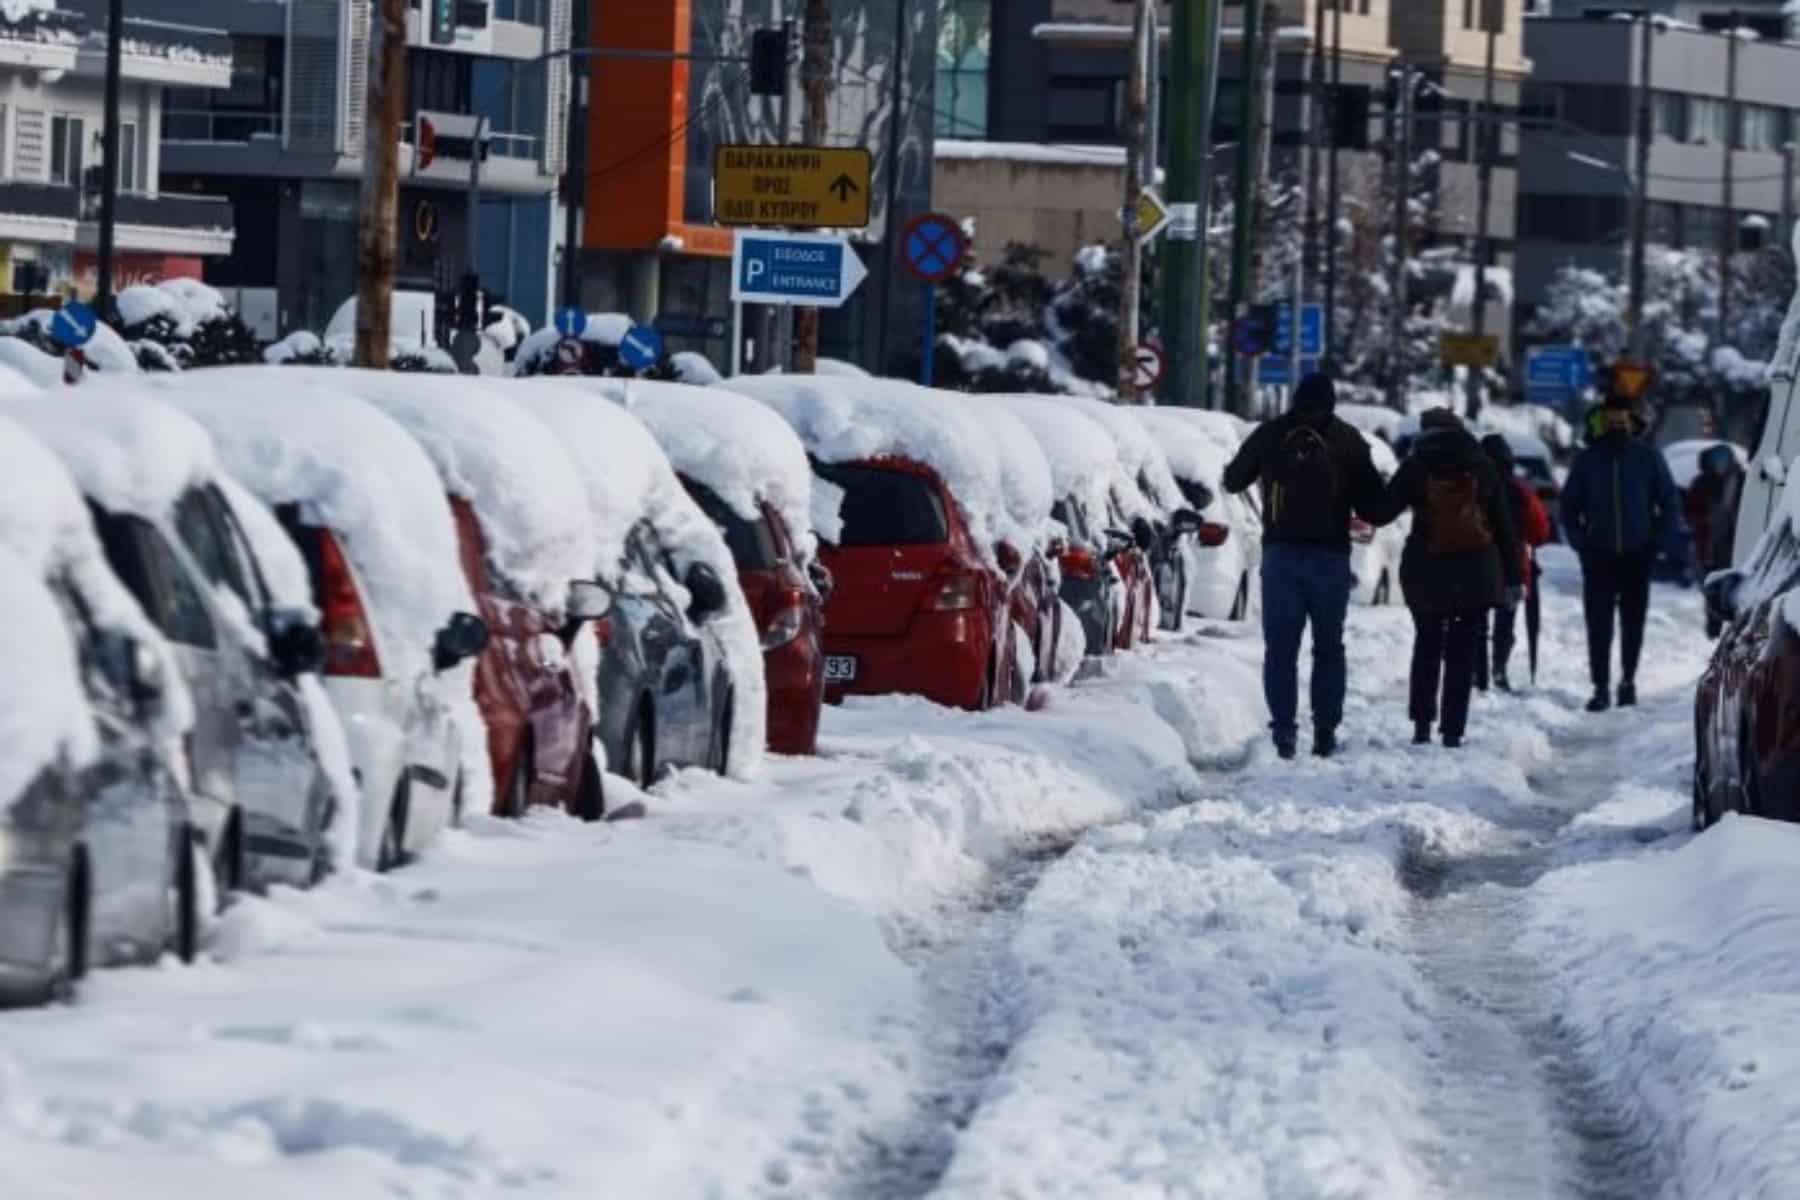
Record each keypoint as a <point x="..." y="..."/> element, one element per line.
<point x="188" y="319"/>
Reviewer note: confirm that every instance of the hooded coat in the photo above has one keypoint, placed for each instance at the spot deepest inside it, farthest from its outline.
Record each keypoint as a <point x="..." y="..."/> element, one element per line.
<point x="1462" y="582"/>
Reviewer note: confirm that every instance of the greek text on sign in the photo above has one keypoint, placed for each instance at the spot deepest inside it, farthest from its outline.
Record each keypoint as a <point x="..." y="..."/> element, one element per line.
<point x="807" y="186"/>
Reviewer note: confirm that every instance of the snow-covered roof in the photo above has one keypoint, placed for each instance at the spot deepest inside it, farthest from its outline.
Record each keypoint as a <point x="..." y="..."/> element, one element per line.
<point x="1032" y="152"/>
<point x="1077" y="449"/>
<point x="295" y="437"/>
<point x="843" y="420"/>
<point x="127" y="452"/>
<point x="1683" y="457"/>
<point x="45" y="524"/>
<point x="44" y="717"/>
<point x="741" y="450"/>
<point x="628" y="479"/>
<point x="526" y="493"/>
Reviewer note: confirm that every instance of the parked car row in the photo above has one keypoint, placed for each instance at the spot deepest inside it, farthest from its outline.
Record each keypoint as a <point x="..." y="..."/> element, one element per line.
<point x="276" y="623"/>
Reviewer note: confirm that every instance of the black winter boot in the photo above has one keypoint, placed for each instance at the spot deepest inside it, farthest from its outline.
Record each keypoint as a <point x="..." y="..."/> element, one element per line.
<point x="1627" y="694"/>
<point x="1325" y="742"/>
<point x="1601" y="701"/>
<point x="1421" y="733"/>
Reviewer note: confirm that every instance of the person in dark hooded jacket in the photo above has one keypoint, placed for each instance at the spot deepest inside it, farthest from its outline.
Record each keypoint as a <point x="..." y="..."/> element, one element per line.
<point x="1461" y="559"/>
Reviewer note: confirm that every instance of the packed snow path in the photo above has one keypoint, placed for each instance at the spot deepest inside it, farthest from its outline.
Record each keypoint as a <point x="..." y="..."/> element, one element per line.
<point x="1108" y="949"/>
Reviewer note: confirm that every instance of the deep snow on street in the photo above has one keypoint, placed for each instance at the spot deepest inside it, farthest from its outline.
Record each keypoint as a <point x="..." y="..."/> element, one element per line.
<point x="1110" y="948"/>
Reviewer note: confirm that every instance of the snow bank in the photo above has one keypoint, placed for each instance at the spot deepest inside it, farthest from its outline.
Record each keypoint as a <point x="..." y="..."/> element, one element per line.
<point x="44" y="717"/>
<point x="844" y="420"/>
<point x="628" y="479"/>
<point x="527" y="495"/>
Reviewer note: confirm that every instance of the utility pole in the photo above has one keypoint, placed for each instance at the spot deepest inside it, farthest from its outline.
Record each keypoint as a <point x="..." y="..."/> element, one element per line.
<point x="1314" y="124"/>
<point x="575" y="138"/>
<point x="1728" y="228"/>
<point x="1640" y="217"/>
<point x="1137" y="103"/>
<point x="1243" y="216"/>
<point x="890" y="239"/>
<point x="109" y="163"/>
<point x="815" y="80"/>
<point x="1331" y="180"/>
<point x="1189" y="142"/>
<point x="378" y="216"/>
<point x="1211" y="36"/>
<point x="1398" y="304"/>
<point x="1487" y="137"/>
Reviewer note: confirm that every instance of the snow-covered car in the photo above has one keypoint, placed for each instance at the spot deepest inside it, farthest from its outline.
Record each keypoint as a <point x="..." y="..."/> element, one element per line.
<point x="920" y="603"/>
<point x="1083" y="464"/>
<point x="1375" y="553"/>
<point x="366" y="509"/>
<point x="1221" y="571"/>
<point x="101" y="863"/>
<point x="681" y="670"/>
<point x="746" y="469"/>
<point x="521" y="524"/>
<point x="264" y="797"/>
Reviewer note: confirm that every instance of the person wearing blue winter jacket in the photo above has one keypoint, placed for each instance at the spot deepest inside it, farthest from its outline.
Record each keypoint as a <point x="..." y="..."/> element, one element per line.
<point x="1617" y="502"/>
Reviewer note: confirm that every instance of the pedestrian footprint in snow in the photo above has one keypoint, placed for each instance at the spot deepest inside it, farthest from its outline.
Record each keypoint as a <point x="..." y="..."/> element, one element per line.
<point x="1461" y="559"/>
<point x="1616" y="505"/>
<point x="1314" y="469"/>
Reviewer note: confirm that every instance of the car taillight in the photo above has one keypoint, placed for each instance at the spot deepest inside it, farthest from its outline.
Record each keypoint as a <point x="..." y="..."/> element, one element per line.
<point x="954" y="593"/>
<point x="603" y="631"/>
<point x="786" y="623"/>
<point x="1079" y="563"/>
<point x="349" y="641"/>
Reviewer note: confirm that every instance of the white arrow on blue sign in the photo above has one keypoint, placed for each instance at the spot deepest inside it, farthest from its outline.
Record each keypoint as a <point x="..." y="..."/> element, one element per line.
<point x="571" y="322"/>
<point x="794" y="268"/>
<point x="641" y="347"/>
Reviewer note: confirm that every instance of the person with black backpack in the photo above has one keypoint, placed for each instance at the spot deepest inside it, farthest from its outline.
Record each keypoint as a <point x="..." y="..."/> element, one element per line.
<point x="1314" y="469"/>
<point x="1461" y="559"/>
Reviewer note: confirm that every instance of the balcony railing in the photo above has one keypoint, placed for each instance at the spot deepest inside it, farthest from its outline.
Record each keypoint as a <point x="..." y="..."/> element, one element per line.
<point x="218" y="125"/>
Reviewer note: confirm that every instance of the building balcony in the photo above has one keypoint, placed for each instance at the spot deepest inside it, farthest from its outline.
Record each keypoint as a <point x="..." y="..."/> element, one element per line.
<point x="167" y="224"/>
<point x="216" y="126"/>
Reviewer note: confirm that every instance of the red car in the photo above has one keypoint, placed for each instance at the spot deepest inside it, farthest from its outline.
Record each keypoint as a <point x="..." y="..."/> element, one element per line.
<point x="915" y="609"/>
<point x="539" y="726"/>
<point x="788" y="610"/>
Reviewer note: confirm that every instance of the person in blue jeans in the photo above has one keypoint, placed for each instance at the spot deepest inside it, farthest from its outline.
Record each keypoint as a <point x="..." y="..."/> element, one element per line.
<point x="1314" y="470"/>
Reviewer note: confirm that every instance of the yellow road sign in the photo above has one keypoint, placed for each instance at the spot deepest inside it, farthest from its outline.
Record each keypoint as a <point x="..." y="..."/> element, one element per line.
<point x="1152" y="214"/>
<point x="1468" y="350"/>
<point x="809" y="187"/>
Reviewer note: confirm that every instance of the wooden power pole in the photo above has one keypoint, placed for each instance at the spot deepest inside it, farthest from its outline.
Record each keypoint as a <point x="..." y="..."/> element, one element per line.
<point x="815" y="83"/>
<point x="378" y="216"/>
<point x="1131" y="251"/>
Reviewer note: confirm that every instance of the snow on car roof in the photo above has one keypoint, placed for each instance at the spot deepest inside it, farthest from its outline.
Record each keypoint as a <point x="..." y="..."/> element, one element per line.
<point x="43" y="715"/>
<point x="129" y="452"/>
<point x="527" y="495"/>
<point x="45" y="523"/>
<point x="1193" y="451"/>
<point x="106" y="350"/>
<point x="842" y="419"/>
<point x="1024" y="472"/>
<point x="629" y="478"/>
<point x="741" y="450"/>
<point x="1077" y="449"/>
<point x="1143" y="461"/>
<point x="23" y="367"/>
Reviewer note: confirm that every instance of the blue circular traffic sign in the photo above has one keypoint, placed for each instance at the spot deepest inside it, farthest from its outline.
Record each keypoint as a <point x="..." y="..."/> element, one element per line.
<point x="641" y="347"/>
<point x="73" y="325"/>
<point x="933" y="247"/>
<point x="571" y="322"/>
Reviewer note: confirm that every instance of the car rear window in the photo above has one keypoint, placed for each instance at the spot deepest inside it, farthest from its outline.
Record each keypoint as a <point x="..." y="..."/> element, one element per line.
<point x="887" y="508"/>
<point x="752" y="543"/>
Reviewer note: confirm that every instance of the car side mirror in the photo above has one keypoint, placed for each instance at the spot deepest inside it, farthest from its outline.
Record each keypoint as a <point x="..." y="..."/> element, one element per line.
<point x="822" y="579"/>
<point x="464" y="637"/>
<point x="1007" y="555"/>
<point x="1213" y="534"/>
<point x="589" y="600"/>
<point x="295" y="645"/>
<point x="706" y="592"/>
<point x="1721" y="591"/>
<point x="1143" y="533"/>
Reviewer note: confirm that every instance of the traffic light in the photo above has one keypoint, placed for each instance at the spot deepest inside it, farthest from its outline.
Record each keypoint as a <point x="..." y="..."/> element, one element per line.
<point x="769" y="62"/>
<point x="1350" y="117"/>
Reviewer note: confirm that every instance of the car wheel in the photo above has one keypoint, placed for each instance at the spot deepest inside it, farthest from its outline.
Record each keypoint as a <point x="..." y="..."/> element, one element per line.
<point x="1240" y="605"/>
<point x="518" y="787"/>
<point x="723" y="763"/>
<point x="392" y="852"/>
<point x="188" y="870"/>
<point x="590" y="797"/>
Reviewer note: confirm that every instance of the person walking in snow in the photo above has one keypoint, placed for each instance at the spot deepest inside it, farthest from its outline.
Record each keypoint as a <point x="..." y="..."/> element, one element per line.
<point x="1461" y="559"/>
<point x="1531" y="526"/>
<point x="1314" y="469"/>
<point x="1616" y="505"/>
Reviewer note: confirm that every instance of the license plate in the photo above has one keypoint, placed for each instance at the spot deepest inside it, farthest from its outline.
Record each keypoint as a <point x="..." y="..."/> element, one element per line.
<point x="840" y="668"/>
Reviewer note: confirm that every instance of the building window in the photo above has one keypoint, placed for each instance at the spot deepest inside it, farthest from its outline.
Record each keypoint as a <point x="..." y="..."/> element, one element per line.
<point x="1668" y="116"/>
<point x="1703" y="226"/>
<point x="1574" y="218"/>
<point x="1664" y="222"/>
<point x="129" y="176"/>
<point x="965" y="31"/>
<point x="526" y="12"/>
<point x="1086" y="110"/>
<point x="511" y="96"/>
<point x="1708" y="121"/>
<point x="67" y="147"/>
<point x="1761" y="127"/>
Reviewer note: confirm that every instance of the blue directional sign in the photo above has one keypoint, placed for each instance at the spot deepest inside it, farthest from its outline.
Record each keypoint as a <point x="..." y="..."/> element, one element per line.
<point x="1557" y="374"/>
<point x="1312" y="329"/>
<point x="794" y="268"/>
<point x="73" y="325"/>
<point x="1272" y="369"/>
<point x="640" y="348"/>
<point x="571" y="322"/>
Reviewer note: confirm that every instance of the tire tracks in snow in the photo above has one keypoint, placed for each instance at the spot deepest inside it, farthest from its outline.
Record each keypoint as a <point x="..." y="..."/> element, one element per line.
<point x="1520" y="1109"/>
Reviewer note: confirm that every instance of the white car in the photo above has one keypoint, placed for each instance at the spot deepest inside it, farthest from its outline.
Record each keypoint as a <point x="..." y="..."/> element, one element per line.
<point x="1222" y="580"/>
<point x="368" y="511"/>
<point x="1375" y="553"/>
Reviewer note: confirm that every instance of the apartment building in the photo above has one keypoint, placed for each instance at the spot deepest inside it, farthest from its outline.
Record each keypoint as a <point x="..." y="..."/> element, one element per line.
<point x="1579" y="172"/>
<point x="1767" y="18"/>
<point x="283" y="141"/>
<point x="52" y="71"/>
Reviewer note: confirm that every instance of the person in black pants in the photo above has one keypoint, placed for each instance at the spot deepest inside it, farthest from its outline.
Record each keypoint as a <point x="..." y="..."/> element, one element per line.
<point x="1616" y="505"/>
<point x="1461" y="559"/>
